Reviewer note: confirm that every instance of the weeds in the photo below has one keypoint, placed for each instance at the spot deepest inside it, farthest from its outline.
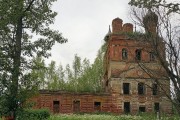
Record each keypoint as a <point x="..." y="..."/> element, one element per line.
<point x="143" y="116"/>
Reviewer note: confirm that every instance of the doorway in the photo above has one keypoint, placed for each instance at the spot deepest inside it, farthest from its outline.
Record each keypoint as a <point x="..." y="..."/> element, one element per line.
<point x="126" y="107"/>
<point x="76" y="106"/>
<point x="56" y="106"/>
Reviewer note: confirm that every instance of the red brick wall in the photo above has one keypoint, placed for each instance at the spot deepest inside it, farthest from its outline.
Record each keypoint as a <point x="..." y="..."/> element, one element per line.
<point x="45" y="100"/>
<point x="109" y="103"/>
<point x="117" y="72"/>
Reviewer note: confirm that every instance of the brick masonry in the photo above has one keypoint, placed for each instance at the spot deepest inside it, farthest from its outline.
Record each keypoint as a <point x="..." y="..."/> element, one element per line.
<point x="117" y="72"/>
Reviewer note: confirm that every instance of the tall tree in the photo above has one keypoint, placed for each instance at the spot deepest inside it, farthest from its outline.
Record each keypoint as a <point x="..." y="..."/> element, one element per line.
<point x="170" y="6"/>
<point x="54" y="77"/>
<point x="165" y="38"/>
<point x="38" y="72"/>
<point x="51" y="76"/>
<point x="74" y="73"/>
<point x="61" y="75"/>
<point x="68" y="77"/>
<point x="91" y="78"/>
<point x="20" y="20"/>
<point x="76" y="66"/>
<point x="83" y="76"/>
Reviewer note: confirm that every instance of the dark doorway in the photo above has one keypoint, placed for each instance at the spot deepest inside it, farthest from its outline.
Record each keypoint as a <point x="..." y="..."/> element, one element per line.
<point x="126" y="107"/>
<point x="56" y="106"/>
<point x="76" y="106"/>
<point x="97" y="106"/>
<point x="142" y="109"/>
<point x="126" y="88"/>
<point x="156" y="107"/>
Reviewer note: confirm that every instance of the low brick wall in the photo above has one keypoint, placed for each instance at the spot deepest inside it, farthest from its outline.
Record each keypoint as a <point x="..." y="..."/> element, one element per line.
<point x="69" y="102"/>
<point x="66" y="102"/>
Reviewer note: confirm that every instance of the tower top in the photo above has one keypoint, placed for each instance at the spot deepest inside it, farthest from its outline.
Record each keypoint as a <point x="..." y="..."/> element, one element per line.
<point x="117" y="25"/>
<point x="108" y="34"/>
<point x="150" y="21"/>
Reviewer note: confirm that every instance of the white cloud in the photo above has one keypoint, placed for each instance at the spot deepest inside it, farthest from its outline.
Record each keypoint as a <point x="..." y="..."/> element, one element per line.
<point x="84" y="23"/>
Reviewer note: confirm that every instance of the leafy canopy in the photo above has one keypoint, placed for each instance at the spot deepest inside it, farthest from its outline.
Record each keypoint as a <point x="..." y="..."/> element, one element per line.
<point x="24" y="34"/>
<point x="172" y="6"/>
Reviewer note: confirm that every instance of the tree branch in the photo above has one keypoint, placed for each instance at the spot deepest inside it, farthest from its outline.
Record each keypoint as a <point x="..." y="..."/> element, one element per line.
<point x="29" y="6"/>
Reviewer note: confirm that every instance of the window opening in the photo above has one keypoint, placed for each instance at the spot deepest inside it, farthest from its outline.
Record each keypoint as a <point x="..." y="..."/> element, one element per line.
<point x="142" y="109"/>
<point x="152" y="56"/>
<point x="155" y="89"/>
<point x="126" y="88"/>
<point x="97" y="106"/>
<point x="141" y="88"/>
<point x="124" y="54"/>
<point x="138" y="54"/>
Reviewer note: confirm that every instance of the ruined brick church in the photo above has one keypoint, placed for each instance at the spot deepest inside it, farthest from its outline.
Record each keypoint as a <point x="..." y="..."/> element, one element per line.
<point x="127" y="87"/>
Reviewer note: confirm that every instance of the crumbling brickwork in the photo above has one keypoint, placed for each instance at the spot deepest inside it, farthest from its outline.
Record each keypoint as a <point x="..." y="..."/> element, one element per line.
<point x="127" y="87"/>
<point x="127" y="60"/>
<point x="68" y="102"/>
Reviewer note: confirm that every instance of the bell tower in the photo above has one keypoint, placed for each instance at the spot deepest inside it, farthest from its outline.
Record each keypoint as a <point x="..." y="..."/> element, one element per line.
<point x="132" y="87"/>
<point x="150" y="22"/>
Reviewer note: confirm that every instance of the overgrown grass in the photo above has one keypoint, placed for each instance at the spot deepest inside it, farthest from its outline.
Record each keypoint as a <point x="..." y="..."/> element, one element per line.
<point x="92" y="117"/>
<point x="144" y="116"/>
<point x="110" y="117"/>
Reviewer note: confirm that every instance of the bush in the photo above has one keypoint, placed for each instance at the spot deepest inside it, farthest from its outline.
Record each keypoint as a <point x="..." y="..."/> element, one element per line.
<point x="32" y="114"/>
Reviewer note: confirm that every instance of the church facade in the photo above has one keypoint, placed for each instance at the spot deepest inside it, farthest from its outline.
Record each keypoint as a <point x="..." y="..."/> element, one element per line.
<point x="128" y="87"/>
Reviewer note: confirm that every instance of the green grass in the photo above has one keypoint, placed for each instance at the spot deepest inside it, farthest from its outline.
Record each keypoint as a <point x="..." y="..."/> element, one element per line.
<point x="109" y="117"/>
<point x="92" y="117"/>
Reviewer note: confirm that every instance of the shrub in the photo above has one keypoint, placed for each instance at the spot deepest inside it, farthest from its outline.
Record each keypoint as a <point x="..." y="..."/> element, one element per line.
<point x="32" y="114"/>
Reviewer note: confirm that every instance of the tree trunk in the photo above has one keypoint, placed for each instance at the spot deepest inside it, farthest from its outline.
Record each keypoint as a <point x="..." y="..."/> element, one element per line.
<point x="16" y="68"/>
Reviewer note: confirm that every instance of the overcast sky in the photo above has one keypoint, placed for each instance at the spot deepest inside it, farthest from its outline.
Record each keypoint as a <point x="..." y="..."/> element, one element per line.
<point x="85" y="23"/>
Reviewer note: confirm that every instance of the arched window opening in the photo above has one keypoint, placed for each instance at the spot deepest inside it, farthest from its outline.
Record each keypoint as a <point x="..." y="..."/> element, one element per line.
<point x="154" y="89"/>
<point x="152" y="56"/>
<point x="124" y="54"/>
<point x="141" y="88"/>
<point x="138" y="54"/>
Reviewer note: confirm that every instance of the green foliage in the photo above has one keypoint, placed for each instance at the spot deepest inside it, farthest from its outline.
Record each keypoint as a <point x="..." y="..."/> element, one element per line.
<point x="32" y="114"/>
<point x="81" y="77"/>
<point x="161" y="13"/>
<point x="38" y="72"/>
<point x="19" y="22"/>
<point x="134" y="35"/>
<point x="85" y="77"/>
<point x="149" y="4"/>
<point x="49" y="77"/>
